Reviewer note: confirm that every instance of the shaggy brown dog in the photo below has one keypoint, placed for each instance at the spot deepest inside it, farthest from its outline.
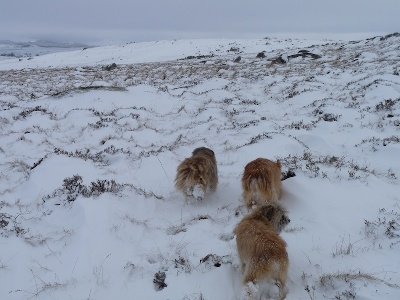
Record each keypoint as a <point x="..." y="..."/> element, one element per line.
<point x="261" y="182"/>
<point x="197" y="174"/>
<point x="262" y="252"/>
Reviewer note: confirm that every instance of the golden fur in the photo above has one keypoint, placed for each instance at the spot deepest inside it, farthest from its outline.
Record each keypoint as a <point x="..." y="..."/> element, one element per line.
<point x="198" y="174"/>
<point x="261" y="182"/>
<point x="262" y="252"/>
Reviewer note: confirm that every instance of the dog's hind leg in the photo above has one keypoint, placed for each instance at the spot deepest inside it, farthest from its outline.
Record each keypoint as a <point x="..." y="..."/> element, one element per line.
<point x="198" y="192"/>
<point x="281" y="283"/>
<point x="251" y="291"/>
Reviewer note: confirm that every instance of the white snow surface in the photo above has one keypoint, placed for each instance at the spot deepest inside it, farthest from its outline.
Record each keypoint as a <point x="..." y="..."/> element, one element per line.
<point x="90" y="141"/>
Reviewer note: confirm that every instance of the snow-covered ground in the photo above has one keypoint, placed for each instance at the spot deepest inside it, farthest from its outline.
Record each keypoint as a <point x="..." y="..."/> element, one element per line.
<point x="90" y="141"/>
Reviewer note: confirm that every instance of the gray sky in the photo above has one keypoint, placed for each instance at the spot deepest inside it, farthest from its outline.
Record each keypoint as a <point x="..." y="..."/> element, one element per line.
<point x="114" y="21"/>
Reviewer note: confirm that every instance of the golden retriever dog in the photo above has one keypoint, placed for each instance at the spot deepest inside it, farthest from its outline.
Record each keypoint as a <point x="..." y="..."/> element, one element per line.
<point x="261" y="182"/>
<point x="198" y="174"/>
<point x="262" y="252"/>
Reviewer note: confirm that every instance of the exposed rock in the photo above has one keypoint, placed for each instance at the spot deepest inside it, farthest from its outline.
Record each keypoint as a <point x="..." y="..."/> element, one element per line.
<point x="110" y="67"/>
<point x="198" y="57"/>
<point x="261" y="55"/>
<point x="283" y="59"/>
<point x="304" y="54"/>
<point x="277" y="60"/>
<point x="237" y="59"/>
<point x="388" y="36"/>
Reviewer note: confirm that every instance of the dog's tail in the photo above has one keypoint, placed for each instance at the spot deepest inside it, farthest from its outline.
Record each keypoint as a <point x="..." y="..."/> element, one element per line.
<point x="256" y="184"/>
<point x="189" y="175"/>
<point x="182" y="175"/>
<point x="262" y="189"/>
<point x="252" y="187"/>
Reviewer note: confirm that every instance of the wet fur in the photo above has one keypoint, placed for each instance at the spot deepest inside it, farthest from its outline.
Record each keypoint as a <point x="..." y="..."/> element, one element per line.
<point x="261" y="182"/>
<point x="262" y="252"/>
<point x="197" y="173"/>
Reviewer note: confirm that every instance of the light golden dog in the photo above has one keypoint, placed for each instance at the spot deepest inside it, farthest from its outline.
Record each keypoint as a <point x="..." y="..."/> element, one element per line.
<point x="197" y="174"/>
<point x="261" y="182"/>
<point x="262" y="252"/>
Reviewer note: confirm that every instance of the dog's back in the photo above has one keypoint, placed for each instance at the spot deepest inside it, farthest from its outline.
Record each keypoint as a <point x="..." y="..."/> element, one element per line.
<point x="261" y="182"/>
<point x="198" y="173"/>
<point x="261" y="250"/>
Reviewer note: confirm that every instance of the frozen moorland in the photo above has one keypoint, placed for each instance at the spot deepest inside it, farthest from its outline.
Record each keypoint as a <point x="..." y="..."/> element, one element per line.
<point x="90" y="141"/>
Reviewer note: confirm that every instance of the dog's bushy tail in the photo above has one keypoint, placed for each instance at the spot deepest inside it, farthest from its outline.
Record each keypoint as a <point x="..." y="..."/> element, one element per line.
<point x="256" y="186"/>
<point x="189" y="174"/>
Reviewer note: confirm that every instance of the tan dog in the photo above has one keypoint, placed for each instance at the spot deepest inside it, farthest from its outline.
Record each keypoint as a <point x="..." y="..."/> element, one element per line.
<point x="197" y="174"/>
<point x="262" y="252"/>
<point x="261" y="182"/>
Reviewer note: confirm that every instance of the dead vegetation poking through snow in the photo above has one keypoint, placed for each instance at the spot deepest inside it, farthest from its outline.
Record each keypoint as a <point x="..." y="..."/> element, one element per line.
<point x="89" y="152"/>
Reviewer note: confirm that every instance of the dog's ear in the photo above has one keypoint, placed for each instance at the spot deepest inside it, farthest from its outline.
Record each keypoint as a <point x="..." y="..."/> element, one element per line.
<point x="268" y="212"/>
<point x="278" y="163"/>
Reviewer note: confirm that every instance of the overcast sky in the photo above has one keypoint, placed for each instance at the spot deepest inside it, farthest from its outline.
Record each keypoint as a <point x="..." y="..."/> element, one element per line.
<point x="114" y="21"/>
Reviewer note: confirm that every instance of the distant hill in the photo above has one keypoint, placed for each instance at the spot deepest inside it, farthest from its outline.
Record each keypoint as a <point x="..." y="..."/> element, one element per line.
<point x="15" y="49"/>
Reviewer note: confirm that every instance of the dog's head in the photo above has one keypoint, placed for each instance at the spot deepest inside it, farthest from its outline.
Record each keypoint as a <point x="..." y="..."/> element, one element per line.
<point x="276" y="215"/>
<point x="203" y="151"/>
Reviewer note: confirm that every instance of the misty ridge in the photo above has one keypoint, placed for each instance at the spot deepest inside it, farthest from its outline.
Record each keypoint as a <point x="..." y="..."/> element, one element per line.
<point x="15" y="49"/>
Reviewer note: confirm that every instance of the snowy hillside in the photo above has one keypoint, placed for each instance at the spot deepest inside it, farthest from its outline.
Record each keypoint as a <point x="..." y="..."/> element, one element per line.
<point x="90" y="141"/>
